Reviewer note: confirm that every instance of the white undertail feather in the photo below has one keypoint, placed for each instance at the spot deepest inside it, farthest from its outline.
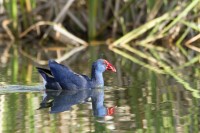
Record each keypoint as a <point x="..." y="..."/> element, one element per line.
<point x="44" y="82"/>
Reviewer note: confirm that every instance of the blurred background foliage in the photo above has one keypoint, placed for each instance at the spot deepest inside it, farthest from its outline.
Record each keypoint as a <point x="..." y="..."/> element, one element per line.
<point x="160" y="35"/>
<point x="173" y="21"/>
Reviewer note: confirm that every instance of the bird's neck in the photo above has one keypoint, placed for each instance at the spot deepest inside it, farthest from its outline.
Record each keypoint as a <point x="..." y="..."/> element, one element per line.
<point x="97" y="78"/>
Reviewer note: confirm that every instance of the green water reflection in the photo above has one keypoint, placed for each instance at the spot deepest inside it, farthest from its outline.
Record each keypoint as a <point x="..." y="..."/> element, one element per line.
<point x="146" y="101"/>
<point x="149" y="106"/>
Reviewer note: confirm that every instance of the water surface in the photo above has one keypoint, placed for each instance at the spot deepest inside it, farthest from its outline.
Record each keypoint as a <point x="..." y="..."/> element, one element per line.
<point x="143" y="101"/>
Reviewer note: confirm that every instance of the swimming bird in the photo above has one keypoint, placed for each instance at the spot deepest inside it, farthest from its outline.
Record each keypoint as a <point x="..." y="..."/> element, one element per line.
<point x="62" y="77"/>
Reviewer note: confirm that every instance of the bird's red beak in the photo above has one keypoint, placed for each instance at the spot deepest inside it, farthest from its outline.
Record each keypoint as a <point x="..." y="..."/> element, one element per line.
<point x="109" y="66"/>
<point x="110" y="111"/>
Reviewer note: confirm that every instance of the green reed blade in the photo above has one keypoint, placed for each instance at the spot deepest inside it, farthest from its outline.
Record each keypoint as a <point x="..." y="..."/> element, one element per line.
<point x="140" y="30"/>
<point x="150" y="4"/>
<point x="166" y="70"/>
<point x="123" y="25"/>
<point x="23" y="13"/>
<point x="14" y="14"/>
<point x="181" y="15"/>
<point x="180" y="41"/>
<point x="120" y="12"/>
<point x="139" y="53"/>
<point x="190" y="62"/>
<point x="124" y="54"/>
<point x="153" y="8"/>
<point x="93" y="6"/>
<point x="192" y="25"/>
<point x="33" y="3"/>
<point x="12" y="4"/>
<point x="15" y="65"/>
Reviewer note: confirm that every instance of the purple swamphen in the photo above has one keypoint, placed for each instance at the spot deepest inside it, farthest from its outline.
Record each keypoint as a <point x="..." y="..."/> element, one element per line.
<point x="62" y="77"/>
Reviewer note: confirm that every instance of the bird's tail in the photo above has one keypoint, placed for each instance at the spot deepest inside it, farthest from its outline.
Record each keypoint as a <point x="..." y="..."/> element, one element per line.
<point x="45" y="73"/>
<point x="48" y="79"/>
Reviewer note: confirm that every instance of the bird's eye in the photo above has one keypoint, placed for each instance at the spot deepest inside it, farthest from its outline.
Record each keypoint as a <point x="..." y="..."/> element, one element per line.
<point x="105" y="63"/>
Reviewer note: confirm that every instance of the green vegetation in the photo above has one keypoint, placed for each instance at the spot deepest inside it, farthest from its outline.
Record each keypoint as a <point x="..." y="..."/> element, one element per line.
<point x="104" y="19"/>
<point x="155" y="28"/>
<point x="160" y="35"/>
<point x="156" y="34"/>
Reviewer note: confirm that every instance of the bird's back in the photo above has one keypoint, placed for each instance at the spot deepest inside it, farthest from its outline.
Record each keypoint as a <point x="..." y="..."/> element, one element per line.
<point x="67" y="78"/>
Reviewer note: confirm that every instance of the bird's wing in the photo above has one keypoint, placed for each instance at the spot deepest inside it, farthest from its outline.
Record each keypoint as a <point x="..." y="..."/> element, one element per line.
<point x="86" y="77"/>
<point x="66" y="77"/>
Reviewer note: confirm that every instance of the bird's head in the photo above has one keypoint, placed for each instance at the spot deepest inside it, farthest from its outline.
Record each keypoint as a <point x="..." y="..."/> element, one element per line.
<point x="101" y="65"/>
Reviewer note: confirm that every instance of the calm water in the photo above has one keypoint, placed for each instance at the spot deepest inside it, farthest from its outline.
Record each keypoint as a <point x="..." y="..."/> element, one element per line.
<point x="143" y="101"/>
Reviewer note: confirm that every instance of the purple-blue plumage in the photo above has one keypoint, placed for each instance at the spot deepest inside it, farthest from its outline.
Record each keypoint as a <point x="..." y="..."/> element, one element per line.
<point x="69" y="80"/>
<point x="63" y="100"/>
<point x="48" y="79"/>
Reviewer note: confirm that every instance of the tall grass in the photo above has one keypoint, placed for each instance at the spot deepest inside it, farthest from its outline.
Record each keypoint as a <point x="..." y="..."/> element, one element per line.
<point x="17" y="10"/>
<point x="105" y="19"/>
<point x="146" y="30"/>
<point x="170" y="26"/>
<point x="92" y="13"/>
<point x="11" y="7"/>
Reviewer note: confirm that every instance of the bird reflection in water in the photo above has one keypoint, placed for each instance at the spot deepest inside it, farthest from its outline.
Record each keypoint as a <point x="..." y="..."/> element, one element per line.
<point x="63" y="100"/>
